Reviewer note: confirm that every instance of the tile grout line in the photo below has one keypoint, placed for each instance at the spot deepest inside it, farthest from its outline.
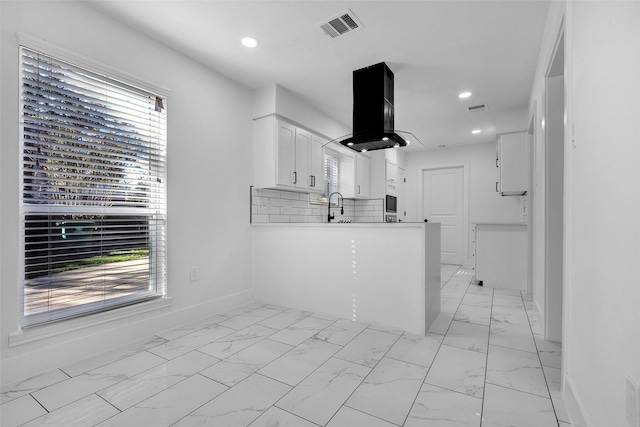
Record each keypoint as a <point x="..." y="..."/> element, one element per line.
<point x="544" y="375"/>
<point x="486" y="363"/>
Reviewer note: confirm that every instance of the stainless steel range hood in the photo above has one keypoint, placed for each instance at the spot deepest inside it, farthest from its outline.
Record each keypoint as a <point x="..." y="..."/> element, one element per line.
<point x="373" y="110"/>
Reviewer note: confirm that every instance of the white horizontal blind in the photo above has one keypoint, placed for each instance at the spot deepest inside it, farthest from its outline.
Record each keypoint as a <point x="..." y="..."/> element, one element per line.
<point x="93" y="193"/>
<point x="331" y="173"/>
<point x="330" y="179"/>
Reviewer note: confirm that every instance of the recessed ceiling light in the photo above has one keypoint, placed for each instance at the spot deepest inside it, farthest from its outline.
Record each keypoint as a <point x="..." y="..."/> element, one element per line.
<point x="385" y="138"/>
<point x="249" y="42"/>
<point x="397" y="144"/>
<point x="364" y="150"/>
<point x="464" y="95"/>
<point x="476" y="131"/>
<point x="349" y="144"/>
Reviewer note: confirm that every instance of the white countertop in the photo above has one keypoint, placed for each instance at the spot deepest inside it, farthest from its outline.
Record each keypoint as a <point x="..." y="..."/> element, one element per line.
<point x="340" y="224"/>
<point x="500" y="223"/>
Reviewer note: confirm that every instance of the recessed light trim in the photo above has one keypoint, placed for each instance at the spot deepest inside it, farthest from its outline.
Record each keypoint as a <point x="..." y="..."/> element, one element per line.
<point x="349" y="144"/>
<point x="463" y="95"/>
<point x="476" y="131"/>
<point x="364" y="150"/>
<point x="249" y="42"/>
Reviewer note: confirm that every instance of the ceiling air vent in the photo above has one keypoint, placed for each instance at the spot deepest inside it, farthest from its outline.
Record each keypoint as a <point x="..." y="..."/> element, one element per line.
<point x="340" y="24"/>
<point x="477" y="108"/>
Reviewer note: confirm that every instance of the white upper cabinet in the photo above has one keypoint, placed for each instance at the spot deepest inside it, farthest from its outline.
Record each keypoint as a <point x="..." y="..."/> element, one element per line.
<point x="286" y="156"/>
<point x="512" y="165"/>
<point x="354" y="175"/>
<point x="362" y="176"/>
<point x="316" y="163"/>
<point x="391" y="176"/>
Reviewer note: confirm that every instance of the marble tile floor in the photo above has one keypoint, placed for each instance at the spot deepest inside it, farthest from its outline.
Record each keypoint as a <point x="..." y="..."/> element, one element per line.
<point x="483" y="364"/>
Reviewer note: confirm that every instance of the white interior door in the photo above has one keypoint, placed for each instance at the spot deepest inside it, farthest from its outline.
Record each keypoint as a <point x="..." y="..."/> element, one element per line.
<point x="443" y="202"/>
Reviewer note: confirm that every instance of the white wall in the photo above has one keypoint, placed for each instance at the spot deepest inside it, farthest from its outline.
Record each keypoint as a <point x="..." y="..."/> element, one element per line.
<point x="601" y="320"/>
<point x="279" y="100"/>
<point x="512" y="119"/>
<point x="209" y="173"/>
<point x="603" y="209"/>
<point x="485" y="205"/>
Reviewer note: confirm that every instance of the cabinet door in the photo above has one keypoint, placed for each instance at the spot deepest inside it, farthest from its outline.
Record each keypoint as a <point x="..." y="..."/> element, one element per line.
<point x="347" y="171"/>
<point x="286" y="154"/>
<point x="362" y="176"/>
<point x="316" y="164"/>
<point x="391" y="177"/>
<point x="512" y="163"/>
<point x="301" y="168"/>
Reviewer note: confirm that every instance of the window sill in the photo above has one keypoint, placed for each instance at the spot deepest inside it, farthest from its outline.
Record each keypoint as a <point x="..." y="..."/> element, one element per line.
<point x="48" y="331"/>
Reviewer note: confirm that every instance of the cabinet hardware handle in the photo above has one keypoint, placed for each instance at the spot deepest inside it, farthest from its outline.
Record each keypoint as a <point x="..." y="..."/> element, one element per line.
<point x="497" y="187"/>
<point x="358" y="189"/>
<point x="295" y="177"/>
<point x="497" y="162"/>
<point x="313" y="181"/>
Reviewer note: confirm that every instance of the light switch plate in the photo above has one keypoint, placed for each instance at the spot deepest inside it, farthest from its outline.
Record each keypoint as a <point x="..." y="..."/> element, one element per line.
<point x="195" y="274"/>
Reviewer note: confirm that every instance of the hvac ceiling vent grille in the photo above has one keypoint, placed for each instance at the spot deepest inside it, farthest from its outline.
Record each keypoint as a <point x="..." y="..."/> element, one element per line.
<point x="340" y="24"/>
<point x="477" y="108"/>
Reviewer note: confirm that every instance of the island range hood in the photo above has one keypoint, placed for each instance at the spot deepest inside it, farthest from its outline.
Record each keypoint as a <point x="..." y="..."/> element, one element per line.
<point x="373" y="111"/>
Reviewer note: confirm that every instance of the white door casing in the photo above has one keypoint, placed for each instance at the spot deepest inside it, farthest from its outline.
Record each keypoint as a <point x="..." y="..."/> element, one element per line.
<point x="443" y="202"/>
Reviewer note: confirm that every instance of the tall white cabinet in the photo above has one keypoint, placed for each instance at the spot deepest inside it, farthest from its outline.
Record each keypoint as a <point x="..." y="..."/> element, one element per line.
<point x="511" y="163"/>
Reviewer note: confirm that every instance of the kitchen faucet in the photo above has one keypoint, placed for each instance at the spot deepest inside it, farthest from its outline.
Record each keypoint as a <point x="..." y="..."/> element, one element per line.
<point x="331" y="216"/>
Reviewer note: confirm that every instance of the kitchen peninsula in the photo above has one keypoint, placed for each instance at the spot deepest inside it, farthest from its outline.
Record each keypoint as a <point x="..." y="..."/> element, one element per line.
<point x="381" y="273"/>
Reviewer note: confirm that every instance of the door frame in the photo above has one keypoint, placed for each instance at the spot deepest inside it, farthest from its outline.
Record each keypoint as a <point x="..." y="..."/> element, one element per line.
<point x="553" y="306"/>
<point x="531" y="225"/>
<point x="466" y="244"/>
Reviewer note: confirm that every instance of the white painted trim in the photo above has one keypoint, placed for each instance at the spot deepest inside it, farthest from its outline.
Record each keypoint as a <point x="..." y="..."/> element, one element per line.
<point x="55" y="329"/>
<point x="531" y="154"/>
<point x="466" y="256"/>
<point x="574" y="405"/>
<point x="60" y="350"/>
<point x="84" y="62"/>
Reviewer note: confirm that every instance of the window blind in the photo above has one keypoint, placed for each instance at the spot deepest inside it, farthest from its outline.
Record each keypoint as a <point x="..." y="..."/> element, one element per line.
<point x="331" y="173"/>
<point x="93" y="190"/>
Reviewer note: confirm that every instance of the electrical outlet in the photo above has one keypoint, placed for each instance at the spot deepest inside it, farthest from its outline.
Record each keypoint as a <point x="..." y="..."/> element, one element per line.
<point x="195" y="274"/>
<point x="633" y="403"/>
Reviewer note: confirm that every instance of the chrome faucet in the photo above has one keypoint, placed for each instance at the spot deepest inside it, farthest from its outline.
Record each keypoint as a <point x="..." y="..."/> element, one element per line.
<point x="331" y="216"/>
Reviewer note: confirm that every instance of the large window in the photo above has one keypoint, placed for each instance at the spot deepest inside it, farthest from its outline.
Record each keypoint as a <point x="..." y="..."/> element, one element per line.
<point x="93" y="190"/>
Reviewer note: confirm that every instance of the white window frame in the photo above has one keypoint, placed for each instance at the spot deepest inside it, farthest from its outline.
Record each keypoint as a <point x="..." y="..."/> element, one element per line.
<point x="159" y="210"/>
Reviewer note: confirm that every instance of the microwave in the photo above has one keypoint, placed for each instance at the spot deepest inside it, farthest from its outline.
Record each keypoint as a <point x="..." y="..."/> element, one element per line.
<point x="391" y="204"/>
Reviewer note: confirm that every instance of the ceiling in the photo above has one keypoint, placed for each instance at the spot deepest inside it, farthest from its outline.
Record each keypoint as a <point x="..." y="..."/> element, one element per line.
<point x="436" y="50"/>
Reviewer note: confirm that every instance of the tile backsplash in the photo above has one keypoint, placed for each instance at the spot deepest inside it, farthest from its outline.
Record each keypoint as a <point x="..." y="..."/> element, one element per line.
<point x="288" y="206"/>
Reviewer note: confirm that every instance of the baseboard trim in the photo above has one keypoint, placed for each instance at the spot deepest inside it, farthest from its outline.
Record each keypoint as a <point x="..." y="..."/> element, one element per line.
<point x="61" y="348"/>
<point x="575" y="407"/>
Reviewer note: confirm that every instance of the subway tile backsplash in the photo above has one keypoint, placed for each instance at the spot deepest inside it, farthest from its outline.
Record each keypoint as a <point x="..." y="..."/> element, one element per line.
<point x="280" y="206"/>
